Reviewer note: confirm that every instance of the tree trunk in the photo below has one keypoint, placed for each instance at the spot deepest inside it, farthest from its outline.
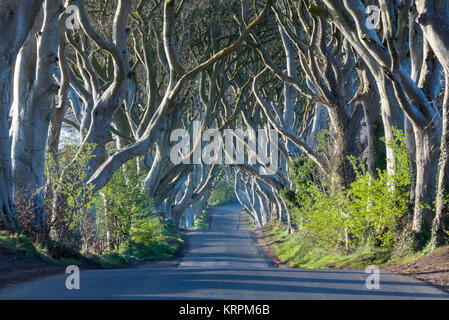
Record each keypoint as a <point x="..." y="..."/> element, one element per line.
<point x="16" y="20"/>
<point x="433" y="16"/>
<point x="30" y="126"/>
<point x="440" y="227"/>
<point x="427" y="154"/>
<point x="373" y="127"/>
<point x="319" y="124"/>
<point x="392" y="117"/>
<point x="7" y="213"/>
<point x="344" y="130"/>
<point x="411" y="148"/>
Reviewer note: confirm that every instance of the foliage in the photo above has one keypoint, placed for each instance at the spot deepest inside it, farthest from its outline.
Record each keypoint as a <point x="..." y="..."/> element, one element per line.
<point x="71" y="215"/>
<point x="377" y="204"/>
<point x="304" y="175"/>
<point x="223" y="193"/>
<point x="122" y="203"/>
<point x="148" y="231"/>
<point x="130" y="226"/>
<point x="151" y="239"/>
<point x="369" y="212"/>
<point x="123" y="218"/>
<point x="20" y="246"/>
<point x="203" y="222"/>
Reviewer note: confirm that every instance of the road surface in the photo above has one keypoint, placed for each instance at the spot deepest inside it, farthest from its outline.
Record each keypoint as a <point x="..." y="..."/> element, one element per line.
<point x="223" y="263"/>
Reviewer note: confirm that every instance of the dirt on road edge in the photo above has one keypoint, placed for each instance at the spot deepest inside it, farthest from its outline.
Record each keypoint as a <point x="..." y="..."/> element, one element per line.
<point x="433" y="269"/>
<point x="15" y="268"/>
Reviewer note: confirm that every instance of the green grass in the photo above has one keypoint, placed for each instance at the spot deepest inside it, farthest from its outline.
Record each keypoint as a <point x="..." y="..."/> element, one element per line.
<point x="21" y="246"/>
<point x="299" y="251"/>
<point x="251" y="226"/>
<point x="412" y="256"/>
<point x="165" y="246"/>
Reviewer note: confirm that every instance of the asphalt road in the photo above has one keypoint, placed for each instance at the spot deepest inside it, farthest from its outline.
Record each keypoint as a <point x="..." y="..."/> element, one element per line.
<point x="223" y="263"/>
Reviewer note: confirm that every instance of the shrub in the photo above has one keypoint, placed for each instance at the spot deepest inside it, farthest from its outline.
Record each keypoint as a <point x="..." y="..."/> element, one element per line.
<point x="376" y="204"/>
<point x="152" y="239"/>
<point x="121" y="203"/>
<point x="68" y="178"/>
<point x="369" y="211"/>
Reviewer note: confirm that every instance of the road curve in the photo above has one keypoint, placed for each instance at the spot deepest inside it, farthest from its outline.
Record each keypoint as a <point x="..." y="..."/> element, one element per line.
<point x="223" y="263"/>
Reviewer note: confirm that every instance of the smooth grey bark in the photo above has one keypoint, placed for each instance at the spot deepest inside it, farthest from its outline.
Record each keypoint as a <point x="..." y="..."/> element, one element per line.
<point x="195" y="210"/>
<point x="331" y="81"/>
<point x="319" y="124"/>
<point x="29" y="130"/>
<point x="245" y="197"/>
<point x="427" y="144"/>
<point x="427" y="155"/>
<point x="7" y="211"/>
<point x="161" y="164"/>
<point x="425" y="120"/>
<point x="349" y="17"/>
<point x="16" y="20"/>
<point x="416" y="46"/>
<point x="368" y="97"/>
<point x="433" y="17"/>
<point x="440" y="226"/>
<point x="178" y="210"/>
<point x="99" y="132"/>
<point x="241" y="197"/>
<point x="196" y="190"/>
<point x="59" y="109"/>
<point x="290" y="93"/>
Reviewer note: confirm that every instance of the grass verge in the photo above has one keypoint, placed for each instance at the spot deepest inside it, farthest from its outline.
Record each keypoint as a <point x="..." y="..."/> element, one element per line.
<point x="23" y="260"/>
<point x="297" y="250"/>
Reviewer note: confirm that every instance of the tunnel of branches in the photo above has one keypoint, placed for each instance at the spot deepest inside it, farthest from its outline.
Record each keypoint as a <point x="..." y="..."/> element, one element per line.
<point x="94" y="89"/>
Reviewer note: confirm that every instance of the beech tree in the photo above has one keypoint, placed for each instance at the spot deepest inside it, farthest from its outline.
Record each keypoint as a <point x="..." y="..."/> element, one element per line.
<point x="35" y="65"/>
<point x="17" y="19"/>
<point x="432" y="17"/>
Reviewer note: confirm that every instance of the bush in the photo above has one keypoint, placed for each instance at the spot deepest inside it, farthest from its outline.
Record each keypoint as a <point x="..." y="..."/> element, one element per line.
<point x="121" y="204"/>
<point x="152" y="239"/>
<point x="377" y="204"/>
<point x="369" y="212"/>
<point x="149" y="231"/>
<point x="203" y="222"/>
<point x="68" y="178"/>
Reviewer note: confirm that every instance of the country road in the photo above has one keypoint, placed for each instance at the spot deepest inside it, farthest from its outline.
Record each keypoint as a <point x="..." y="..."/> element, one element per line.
<point x="223" y="263"/>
